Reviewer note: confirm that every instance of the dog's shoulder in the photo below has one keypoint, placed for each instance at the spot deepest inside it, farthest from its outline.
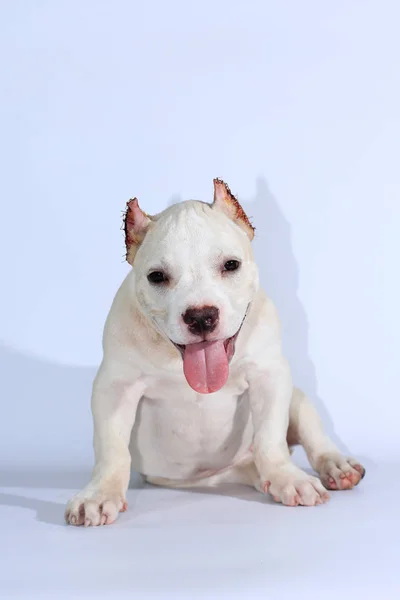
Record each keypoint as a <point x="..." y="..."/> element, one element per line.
<point x="261" y="338"/>
<point x="263" y="316"/>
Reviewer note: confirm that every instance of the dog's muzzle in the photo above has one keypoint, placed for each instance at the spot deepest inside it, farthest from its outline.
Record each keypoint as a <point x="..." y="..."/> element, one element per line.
<point x="206" y="363"/>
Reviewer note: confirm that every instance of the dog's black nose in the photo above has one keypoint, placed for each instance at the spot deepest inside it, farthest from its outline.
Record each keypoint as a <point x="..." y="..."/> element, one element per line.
<point x="201" y="320"/>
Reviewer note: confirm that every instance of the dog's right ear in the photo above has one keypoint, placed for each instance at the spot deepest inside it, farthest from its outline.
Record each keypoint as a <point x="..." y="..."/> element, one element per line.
<point x="136" y="224"/>
<point x="225" y="201"/>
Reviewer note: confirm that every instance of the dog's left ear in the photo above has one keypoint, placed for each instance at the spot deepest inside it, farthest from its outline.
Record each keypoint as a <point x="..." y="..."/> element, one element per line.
<point x="225" y="201"/>
<point x="136" y="224"/>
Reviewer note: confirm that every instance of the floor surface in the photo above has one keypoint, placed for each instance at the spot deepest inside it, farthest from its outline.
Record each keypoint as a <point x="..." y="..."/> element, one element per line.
<point x="228" y="543"/>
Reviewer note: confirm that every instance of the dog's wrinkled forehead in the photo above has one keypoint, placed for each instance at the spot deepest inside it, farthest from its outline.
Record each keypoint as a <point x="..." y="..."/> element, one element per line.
<point x="192" y="232"/>
<point x="187" y="226"/>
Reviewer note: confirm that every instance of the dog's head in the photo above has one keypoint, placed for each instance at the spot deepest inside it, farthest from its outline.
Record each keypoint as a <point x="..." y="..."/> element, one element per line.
<point x="195" y="278"/>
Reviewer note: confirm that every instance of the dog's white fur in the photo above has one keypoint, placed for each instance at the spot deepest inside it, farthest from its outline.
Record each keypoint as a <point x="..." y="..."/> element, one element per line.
<point x="145" y="413"/>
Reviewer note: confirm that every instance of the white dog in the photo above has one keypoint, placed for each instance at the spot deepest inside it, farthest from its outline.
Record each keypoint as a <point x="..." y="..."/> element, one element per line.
<point x="193" y="389"/>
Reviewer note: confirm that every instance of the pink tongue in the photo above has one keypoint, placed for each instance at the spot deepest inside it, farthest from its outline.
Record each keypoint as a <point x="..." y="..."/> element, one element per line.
<point x="206" y="366"/>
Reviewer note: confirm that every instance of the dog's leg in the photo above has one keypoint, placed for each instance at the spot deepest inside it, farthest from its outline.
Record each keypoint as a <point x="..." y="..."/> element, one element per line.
<point x="114" y="405"/>
<point x="270" y="393"/>
<point x="337" y="472"/>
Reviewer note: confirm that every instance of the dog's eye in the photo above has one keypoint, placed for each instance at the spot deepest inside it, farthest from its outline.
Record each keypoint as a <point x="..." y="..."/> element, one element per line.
<point x="231" y="265"/>
<point x="157" y="277"/>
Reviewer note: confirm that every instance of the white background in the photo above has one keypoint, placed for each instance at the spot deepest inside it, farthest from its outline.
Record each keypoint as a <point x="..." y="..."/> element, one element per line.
<point x="295" y="104"/>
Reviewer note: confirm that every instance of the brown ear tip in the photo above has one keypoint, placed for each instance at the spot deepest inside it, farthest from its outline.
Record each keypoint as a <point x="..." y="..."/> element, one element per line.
<point x="226" y="186"/>
<point x="132" y="202"/>
<point x="128" y="216"/>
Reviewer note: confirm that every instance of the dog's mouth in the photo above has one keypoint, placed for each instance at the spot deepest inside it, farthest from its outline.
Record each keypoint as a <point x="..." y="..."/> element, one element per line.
<point x="206" y="364"/>
<point x="229" y="345"/>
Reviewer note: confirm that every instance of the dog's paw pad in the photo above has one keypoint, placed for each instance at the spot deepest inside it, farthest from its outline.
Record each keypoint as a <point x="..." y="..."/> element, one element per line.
<point x="338" y="472"/>
<point x="91" y="510"/>
<point x="295" y="490"/>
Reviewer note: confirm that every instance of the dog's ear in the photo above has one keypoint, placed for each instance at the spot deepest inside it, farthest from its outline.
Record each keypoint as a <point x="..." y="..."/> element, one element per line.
<point x="136" y="224"/>
<point x="225" y="201"/>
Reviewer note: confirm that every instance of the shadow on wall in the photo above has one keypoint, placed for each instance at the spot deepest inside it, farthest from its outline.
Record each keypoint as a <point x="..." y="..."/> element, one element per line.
<point x="46" y="419"/>
<point x="279" y="276"/>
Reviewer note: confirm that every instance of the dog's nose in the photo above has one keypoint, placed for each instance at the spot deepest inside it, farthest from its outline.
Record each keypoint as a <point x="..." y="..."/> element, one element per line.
<point x="201" y="320"/>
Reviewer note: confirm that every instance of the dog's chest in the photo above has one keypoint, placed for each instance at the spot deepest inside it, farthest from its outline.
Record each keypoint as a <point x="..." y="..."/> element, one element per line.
<point x="179" y="431"/>
<point x="170" y="387"/>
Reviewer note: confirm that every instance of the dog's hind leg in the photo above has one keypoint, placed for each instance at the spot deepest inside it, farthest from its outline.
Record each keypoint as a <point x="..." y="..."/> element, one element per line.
<point x="336" y="471"/>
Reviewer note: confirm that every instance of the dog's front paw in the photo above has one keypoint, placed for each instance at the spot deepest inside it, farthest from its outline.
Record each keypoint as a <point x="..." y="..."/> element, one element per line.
<point x="95" y="506"/>
<point x="296" y="488"/>
<point x="338" y="472"/>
